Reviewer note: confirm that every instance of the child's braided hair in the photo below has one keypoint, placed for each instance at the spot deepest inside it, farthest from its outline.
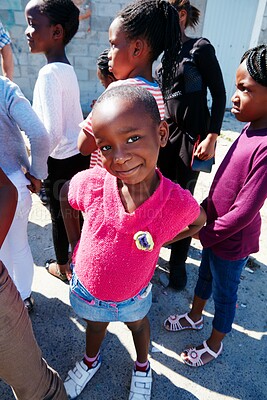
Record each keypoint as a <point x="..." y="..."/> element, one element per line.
<point x="256" y="62"/>
<point x="157" y="22"/>
<point x="193" y="13"/>
<point x="63" y="12"/>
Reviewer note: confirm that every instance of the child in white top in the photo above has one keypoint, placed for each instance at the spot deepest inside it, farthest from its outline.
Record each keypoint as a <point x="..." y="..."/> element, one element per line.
<point x="56" y="100"/>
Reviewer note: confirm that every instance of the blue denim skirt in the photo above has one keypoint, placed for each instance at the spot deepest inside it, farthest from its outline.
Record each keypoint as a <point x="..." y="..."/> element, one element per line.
<point x="92" y="309"/>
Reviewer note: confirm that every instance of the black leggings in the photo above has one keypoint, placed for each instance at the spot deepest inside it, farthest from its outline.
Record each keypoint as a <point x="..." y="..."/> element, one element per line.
<point x="175" y="163"/>
<point x="59" y="172"/>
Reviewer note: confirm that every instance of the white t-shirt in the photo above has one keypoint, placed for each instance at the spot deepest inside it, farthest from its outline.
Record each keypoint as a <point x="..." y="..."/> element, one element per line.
<point x="56" y="100"/>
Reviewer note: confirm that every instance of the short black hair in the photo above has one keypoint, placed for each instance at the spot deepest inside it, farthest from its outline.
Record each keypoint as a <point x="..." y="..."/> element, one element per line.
<point x="136" y="95"/>
<point x="63" y="12"/>
<point x="256" y="62"/>
<point x="102" y="63"/>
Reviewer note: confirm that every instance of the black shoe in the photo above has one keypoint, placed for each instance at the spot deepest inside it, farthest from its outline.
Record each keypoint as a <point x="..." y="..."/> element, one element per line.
<point x="43" y="197"/>
<point x="29" y="302"/>
<point x="178" y="276"/>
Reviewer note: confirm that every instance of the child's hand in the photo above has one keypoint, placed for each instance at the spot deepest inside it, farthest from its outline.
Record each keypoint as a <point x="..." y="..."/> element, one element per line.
<point x="93" y="103"/>
<point x="206" y="149"/>
<point x="35" y="185"/>
<point x="68" y="271"/>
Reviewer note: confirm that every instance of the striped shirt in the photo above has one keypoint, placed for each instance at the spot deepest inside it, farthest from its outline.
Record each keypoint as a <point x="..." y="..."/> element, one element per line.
<point x="4" y="37"/>
<point x="152" y="87"/>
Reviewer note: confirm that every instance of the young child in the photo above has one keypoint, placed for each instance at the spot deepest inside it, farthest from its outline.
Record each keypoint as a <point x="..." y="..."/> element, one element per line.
<point x="16" y="115"/>
<point x="194" y="125"/>
<point x="56" y="100"/>
<point x="19" y="350"/>
<point x="233" y="208"/>
<point x="103" y="73"/>
<point x="105" y="76"/>
<point x="130" y="212"/>
<point x="138" y="35"/>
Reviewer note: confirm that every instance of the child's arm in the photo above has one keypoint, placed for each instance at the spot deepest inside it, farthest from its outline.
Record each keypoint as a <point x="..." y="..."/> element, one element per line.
<point x="20" y="110"/>
<point x="35" y="185"/>
<point x="8" y="204"/>
<point x="246" y="205"/>
<point x="70" y="216"/>
<point x="191" y="229"/>
<point x="86" y="143"/>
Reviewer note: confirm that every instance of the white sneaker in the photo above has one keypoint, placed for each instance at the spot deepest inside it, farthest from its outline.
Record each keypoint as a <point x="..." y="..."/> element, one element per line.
<point x="79" y="376"/>
<point x="141" y="385"/>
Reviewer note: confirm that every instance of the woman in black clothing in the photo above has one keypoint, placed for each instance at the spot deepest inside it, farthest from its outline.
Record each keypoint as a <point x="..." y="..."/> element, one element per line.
<point x="193" y="129"/>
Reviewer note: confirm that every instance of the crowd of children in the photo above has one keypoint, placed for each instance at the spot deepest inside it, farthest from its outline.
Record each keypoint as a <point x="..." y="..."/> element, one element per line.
<point x="110" y="221"/>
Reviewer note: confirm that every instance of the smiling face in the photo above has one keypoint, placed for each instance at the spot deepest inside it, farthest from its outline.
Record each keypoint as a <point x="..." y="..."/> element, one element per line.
<point x="129" y="140"/>
<point x="121" y="51"/>
<point x="249" y="99"/>
<point x="39" y="32"/>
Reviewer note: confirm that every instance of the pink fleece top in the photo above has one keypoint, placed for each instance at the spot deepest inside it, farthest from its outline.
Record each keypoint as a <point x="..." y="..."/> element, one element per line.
<point x="107" y="260"/>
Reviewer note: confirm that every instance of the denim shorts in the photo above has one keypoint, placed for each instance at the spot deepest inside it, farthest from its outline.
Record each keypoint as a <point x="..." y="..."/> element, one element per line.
<point x="92" y="309"/>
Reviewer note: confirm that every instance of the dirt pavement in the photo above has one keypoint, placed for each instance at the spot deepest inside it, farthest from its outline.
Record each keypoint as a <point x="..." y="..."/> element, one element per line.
<point x="239" y="373"/>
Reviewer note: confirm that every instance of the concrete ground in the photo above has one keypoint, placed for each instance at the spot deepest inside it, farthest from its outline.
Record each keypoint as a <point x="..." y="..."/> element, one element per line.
<point x="239" y="373"/>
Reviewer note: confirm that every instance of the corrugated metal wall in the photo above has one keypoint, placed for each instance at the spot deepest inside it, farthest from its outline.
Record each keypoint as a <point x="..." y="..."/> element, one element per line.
<point x="228" y="25"/>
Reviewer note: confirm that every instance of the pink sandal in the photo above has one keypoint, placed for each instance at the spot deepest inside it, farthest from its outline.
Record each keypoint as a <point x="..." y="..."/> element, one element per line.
<point x="192" y="356"/>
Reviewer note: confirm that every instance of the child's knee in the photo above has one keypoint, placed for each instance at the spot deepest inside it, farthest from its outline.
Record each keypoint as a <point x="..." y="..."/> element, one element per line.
<point x="138" y="326"/>
<point x="96" y="327"/>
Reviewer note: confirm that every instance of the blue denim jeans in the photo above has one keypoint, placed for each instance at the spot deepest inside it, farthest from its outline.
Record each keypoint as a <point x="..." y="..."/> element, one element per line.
<point x="220" y="278"/>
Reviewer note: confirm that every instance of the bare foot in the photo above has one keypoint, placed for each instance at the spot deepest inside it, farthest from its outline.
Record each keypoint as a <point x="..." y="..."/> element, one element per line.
<point x="54" y="269"/>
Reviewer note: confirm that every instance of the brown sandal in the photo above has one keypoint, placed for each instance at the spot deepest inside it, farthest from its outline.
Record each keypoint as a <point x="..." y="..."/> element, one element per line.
<point x="28" y="303"/>
<point x="52" y="268"/>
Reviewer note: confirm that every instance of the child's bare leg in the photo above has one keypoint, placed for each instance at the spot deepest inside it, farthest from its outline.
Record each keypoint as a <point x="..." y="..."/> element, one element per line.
<point x="95" y="333"/>
<point x="141" y="384"/>
<point x="215" y="340"/>
<point x="85" y="369"/>
<point x="141" y="337"/>
<point x="195" y="315"/>
<point x="197" y="308"/>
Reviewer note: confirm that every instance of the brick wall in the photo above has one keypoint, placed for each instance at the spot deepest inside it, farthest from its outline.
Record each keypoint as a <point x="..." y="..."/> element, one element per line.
<point x="83" y="49"/>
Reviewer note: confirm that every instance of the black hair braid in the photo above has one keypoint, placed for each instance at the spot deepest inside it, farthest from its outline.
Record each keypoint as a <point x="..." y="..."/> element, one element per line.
<point x="256" y="62"/>
<point x="172" y="48"/>
<point x="193" y="13"/>
<point x="157" y="22"/>
<point x="102" y="60"/>
<point x="63" y="12"/>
